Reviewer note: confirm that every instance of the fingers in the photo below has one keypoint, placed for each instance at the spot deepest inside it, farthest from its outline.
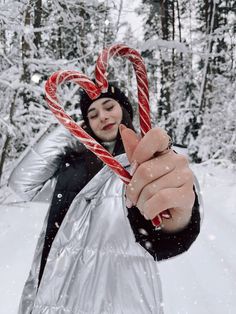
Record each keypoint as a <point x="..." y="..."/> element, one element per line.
<point x="153" y="170"/>
<point x="140" y="150"/>
<point x="161" y="179"/>
<point x="130" y="140"/>
<point x="181" y="197"/>
<point x="175" y="179"/>
<point x="155" y="140"/>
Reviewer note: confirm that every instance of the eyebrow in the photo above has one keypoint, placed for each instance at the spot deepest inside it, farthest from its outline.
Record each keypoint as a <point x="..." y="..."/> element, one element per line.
<point x="103" y="103"/>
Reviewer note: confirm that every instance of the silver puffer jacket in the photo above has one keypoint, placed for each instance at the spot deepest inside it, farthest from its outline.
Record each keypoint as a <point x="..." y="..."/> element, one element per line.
<point x="95" y="265"/>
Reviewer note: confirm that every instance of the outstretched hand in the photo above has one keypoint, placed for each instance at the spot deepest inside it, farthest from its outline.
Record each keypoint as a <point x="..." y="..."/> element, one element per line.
<point x="161" y="178"/>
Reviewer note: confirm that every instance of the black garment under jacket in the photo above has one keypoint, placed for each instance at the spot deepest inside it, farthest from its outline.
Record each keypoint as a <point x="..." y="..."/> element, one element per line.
<point x="75" y="172"/>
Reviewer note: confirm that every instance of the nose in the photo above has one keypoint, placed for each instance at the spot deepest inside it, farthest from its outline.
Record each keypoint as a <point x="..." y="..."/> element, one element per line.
<point x="104" y="115"/>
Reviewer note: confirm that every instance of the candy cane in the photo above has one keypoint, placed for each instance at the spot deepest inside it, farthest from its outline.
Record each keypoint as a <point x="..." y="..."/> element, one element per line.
<point x="142" y="84"/>
<point x="141" y="76"/>
<point x="94" y="91"/>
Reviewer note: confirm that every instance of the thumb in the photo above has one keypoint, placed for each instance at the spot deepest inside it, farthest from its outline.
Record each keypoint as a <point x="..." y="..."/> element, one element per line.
<point x="130" y="140"/>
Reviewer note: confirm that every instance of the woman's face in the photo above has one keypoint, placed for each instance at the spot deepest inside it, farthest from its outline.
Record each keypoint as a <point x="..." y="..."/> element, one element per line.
<point x="104" y="116"/>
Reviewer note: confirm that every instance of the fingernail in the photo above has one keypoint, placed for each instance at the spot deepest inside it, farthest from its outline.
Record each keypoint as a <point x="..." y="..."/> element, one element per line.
<point x="133" y="167"/>
<point x="128" y="203"/>
<point x="122" y="127"/>
<point x="166" y="214"/>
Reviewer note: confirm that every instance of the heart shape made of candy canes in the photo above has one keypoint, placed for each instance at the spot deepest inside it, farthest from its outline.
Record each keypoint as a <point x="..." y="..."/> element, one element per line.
<point x="94" y="90"/>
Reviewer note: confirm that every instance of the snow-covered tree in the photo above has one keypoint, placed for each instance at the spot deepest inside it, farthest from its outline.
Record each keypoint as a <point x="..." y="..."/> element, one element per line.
<point x="38" y="38"/>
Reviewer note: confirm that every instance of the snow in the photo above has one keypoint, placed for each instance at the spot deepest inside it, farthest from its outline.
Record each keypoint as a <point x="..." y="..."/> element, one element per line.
<point x="201" y="281"/>
<point x="129" y="16"/>
<point x="152" y="44"/>
<point x="19" y="229"/>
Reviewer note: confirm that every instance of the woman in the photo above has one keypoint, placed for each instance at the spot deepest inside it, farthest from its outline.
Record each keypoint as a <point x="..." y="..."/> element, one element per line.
<point x="103" y="258"/>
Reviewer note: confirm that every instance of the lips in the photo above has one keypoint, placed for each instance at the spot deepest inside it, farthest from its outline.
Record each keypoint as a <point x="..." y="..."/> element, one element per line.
<point x="108" y="126"/>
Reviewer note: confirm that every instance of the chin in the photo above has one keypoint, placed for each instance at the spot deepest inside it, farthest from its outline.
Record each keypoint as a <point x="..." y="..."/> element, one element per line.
<point x="109" y="137"/>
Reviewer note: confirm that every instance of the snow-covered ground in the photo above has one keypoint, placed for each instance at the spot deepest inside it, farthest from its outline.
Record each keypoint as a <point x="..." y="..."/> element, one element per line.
<point x="201" y="281"/>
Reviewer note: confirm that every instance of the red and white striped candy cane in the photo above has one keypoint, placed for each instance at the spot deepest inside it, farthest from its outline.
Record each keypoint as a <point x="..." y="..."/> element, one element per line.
<point x="142" y="84"/>
<point x="141" y="76"/>
<point x="94" y="91"/>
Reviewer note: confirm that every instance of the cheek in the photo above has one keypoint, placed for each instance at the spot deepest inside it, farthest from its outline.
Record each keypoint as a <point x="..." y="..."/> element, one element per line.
<point x="93" y="125"/>
<point x="119" y="114"/>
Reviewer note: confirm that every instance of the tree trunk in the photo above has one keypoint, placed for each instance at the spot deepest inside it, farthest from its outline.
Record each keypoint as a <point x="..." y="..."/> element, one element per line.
<point x="8" y="136"/>
<point x="119" y="15"/>
<point x="105" y="26"/>
<point x="165" y="91"/>
<point x="173" y="36"/>
<point x="179" y="28"/>
<point x="25" y="47"/>
<point x="206" y="70"/>
<point x="37" y="22"/>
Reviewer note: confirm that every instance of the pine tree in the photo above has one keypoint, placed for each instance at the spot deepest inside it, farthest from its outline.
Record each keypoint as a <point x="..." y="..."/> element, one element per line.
<point x="215" y="100"/>
<point x="166" y="63"/>
<point x="42" y="37"/>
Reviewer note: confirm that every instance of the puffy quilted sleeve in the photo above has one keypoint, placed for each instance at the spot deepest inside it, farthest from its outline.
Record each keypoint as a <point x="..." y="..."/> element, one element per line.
<point x="41" y="161"/>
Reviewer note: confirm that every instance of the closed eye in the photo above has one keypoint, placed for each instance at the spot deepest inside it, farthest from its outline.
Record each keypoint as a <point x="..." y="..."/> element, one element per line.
<point x="93" y="116"/>
<point x="109" y="108"/>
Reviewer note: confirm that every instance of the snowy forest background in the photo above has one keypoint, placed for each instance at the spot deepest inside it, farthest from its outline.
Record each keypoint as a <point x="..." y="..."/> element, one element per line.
<point x="188" y="48"/>
<point x="189" y="51"/>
